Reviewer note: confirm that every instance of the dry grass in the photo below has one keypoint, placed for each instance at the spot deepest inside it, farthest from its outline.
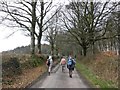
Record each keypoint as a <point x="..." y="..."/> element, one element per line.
<point x="22" y="57"/>
<point x="26" y="77"/>
<point x="13" y="79"/>
<point x="28" y="71"/>
<point x="104" y="65"/>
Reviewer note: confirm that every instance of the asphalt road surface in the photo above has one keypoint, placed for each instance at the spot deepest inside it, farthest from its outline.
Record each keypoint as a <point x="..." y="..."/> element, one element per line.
<point x="59" y="79"/>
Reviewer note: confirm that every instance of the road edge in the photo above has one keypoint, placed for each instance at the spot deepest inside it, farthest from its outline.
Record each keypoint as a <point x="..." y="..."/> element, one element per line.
<point x="85" y="80"/>
<point x="55" y="68"/>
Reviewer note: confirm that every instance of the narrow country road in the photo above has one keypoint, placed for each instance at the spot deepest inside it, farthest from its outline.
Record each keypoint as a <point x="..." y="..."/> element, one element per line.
<point x="59" y="79"/>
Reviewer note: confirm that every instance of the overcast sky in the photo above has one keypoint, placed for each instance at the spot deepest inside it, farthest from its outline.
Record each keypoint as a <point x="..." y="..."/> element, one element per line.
<point x="18" y="39"/>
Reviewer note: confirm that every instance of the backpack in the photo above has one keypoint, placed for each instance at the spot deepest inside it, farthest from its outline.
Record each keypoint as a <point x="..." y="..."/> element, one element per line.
<point x="73" y="62"/>
<point x="48" y="62"/>
<point x="69" y="62"/>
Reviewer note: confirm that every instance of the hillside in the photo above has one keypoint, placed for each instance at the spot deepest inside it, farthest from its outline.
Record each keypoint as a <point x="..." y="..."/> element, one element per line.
<point x="26" y="49"/>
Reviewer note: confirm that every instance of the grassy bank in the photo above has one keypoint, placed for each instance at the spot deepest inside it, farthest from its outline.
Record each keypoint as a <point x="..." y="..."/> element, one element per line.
<point x="18" y="71"/>
<point x="95" y="80"/>
<point x="100" y="70"/>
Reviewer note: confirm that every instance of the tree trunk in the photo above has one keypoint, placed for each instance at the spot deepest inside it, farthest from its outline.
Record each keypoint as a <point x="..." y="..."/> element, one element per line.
<point x="84" y="50"/>
<point x="81" y="52"/>
<point x="32" y="46"/>
<point x="52" y="49"/>
<point x="33" y="28"/>
<point x="118" y="29"/>
<point x="40" y="28"/>
<point x="118" y="46"/>
<point x="39" y="44"/>
<point x="93" y="47"/>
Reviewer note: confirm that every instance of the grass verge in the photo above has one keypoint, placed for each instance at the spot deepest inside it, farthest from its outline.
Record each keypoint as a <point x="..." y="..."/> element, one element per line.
<point x="91" y="77"/>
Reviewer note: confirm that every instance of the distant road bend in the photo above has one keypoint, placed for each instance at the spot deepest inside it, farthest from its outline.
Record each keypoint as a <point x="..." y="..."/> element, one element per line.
<point x="59" y="79"/>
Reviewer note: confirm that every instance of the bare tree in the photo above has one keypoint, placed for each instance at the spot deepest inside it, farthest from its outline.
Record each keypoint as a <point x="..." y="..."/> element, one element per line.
<point x="52" y="32"/>
<point x="87" y="21"/>
<point x="33" y="27"/>
<point x="25" y="15"/>
<point x="21" y="15"/>
<point x="42" y="21"/>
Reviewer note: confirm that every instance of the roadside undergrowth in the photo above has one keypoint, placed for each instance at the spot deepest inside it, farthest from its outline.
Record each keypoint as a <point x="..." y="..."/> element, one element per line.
<point x="101" y="70"/>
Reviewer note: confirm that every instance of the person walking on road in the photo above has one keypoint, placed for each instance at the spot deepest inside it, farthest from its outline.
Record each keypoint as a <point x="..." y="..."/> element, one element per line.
<point x="63" y="64"/>
<point x="71" y="65"/>
<point x="49" y="64"/>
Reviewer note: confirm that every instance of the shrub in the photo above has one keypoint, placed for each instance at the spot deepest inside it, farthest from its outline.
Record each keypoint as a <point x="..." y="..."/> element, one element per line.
<point x="35" y="61"/>
<point x="12" y="67"/>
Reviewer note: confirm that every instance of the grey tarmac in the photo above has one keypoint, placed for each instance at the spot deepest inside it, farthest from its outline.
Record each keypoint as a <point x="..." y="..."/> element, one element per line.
<point x="61" y="79"/>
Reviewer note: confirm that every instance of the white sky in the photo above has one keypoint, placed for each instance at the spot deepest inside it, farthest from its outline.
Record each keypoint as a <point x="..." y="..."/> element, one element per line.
<point x="18" y="39"/>
<point x="12" y="42"/>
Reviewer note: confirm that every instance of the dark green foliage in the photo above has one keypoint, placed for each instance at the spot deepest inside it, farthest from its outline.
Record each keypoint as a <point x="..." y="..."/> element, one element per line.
<point x="12" y="67"/>
<point x="26" y="65"/>
<point x="37" y="60"/>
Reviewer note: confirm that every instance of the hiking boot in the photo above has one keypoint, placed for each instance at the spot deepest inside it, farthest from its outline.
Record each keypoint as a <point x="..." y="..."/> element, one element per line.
<point x="49" y="73"/>
<point x="70" y="76"/>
